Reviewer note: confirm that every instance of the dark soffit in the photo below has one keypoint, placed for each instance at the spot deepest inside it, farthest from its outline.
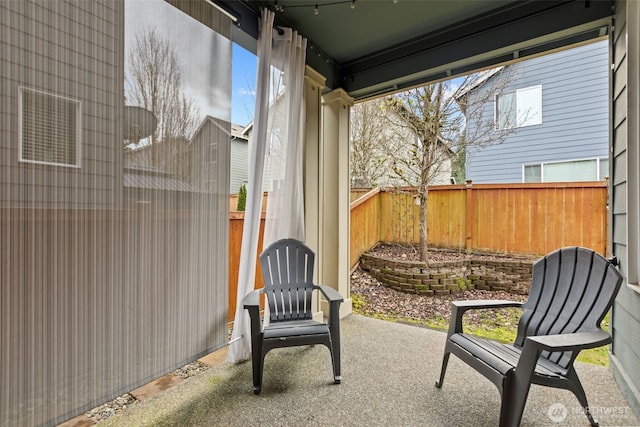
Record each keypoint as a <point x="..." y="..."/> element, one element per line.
<point x="381" y="46"/>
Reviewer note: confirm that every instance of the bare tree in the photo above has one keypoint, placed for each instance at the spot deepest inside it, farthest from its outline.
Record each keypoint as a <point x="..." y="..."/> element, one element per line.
<point x="154" y="82"/>
<point x="429" y="123"/>
<point x="367" y="146"/>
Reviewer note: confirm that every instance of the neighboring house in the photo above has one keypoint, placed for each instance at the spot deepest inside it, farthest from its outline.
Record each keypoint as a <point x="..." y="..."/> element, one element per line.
<point x="152" y="187"/>
<point x="48" y="127"/>
<point x="559" y="107"/>
<point x="169" y="156"/>
<point x="401" y="141"/>
<point x="440" y="174"/>
<point x="239" y="158"/>
<point x="274" y="168"/>
<point x="204" y="161"/>
<point x="192" y="161"/>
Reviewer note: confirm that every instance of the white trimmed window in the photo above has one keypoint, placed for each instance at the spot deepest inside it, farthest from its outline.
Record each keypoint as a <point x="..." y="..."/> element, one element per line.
<point x="518" y="109"/>
<point x="50" y="128"/>
<point x="567" y="171"/>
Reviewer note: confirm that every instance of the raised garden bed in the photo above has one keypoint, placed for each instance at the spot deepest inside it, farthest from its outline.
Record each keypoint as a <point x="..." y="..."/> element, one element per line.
<point x="447" y="272"/>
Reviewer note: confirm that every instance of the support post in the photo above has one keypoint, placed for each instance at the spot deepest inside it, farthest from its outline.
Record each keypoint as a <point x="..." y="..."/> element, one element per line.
<point x="334" y="194"/>
<point x="326" y="186"/>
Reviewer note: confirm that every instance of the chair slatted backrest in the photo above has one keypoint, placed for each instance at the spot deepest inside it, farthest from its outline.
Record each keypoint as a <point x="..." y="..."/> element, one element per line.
<point x="287" y="270"/>
<point x="572" y="290"/>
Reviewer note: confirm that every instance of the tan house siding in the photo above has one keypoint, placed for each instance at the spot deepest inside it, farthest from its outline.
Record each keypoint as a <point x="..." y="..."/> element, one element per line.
<point x="45" y="57"/>
<point x="105" y="282"/>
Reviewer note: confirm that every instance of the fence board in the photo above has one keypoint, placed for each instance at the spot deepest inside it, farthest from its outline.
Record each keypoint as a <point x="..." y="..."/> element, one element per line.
<point x="365" y="224"/>
<point x="446" y="217"/>
<point x="521" y="218"/>
<point x="236" y="222"/>
<point x="535" y="218"/>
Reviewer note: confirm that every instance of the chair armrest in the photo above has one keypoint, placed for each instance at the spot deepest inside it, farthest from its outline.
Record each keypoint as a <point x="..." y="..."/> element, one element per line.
<point x="570" y="342"/>
<point x="251" y="302"/>
<point x="330" y="294"/>
<point x="458" y="308"/>
<point x="335" y="299"/>
<point x="534" y="345"/>
<point x="252" y="299"/>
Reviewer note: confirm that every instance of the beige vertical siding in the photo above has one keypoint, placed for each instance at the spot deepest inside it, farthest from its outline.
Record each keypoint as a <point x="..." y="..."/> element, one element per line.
<point x="103" y="286"/>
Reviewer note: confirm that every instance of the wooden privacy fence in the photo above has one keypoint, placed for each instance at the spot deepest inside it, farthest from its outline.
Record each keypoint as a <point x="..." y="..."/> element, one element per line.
<point x="520" y="218"/>
<point x="236" y="222"/>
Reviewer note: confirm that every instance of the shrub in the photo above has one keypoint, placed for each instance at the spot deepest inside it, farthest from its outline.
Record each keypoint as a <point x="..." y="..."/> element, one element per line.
<point x="242" y="198"/>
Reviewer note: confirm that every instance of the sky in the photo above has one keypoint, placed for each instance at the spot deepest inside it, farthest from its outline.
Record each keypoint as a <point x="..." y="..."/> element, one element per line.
<point x="202" y="72"/>
<point x="243" y="85"/>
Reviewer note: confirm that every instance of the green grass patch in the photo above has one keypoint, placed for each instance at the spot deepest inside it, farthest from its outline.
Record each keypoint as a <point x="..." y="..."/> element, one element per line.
<point x="500" y="325"/>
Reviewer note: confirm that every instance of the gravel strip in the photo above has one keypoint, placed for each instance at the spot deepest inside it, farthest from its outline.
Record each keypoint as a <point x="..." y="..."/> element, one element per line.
<point x="125" y="401"/>
<point x="111" y="408"/>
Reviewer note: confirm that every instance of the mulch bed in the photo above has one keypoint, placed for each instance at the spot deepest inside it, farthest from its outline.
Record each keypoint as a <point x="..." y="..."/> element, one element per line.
<point x="380" y="300"/>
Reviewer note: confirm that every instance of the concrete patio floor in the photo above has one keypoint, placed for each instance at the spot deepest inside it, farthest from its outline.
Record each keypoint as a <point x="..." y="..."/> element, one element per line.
<point x="388" y="376"/>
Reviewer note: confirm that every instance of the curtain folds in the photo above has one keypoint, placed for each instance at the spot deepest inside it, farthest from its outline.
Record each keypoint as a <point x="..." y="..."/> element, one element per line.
<point x="276" y="152"/>
<point x="285" y="209"/>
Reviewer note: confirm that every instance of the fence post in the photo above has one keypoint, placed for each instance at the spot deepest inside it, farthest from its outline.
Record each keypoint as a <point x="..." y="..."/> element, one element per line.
<point x="469" y="206"/>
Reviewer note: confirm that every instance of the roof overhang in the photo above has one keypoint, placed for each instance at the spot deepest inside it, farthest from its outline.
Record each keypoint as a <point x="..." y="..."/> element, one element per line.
<point x="382" y="46"/>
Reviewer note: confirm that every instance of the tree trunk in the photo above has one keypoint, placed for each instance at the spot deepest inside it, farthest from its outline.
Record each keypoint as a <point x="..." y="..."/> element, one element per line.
<point x="424" y="245"/>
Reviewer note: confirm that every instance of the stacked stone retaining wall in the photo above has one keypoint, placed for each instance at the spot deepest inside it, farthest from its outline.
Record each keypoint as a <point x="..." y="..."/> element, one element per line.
<point x="451" y="277"/>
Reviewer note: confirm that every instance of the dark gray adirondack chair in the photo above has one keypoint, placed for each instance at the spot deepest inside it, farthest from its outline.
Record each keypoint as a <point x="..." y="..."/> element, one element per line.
<point x="572" y="289"/>
<point x="287" y="270"/>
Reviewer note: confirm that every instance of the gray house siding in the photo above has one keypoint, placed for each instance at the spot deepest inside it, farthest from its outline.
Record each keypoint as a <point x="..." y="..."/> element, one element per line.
<point x="239" y="164"/>
<point x="575" y="109"/>
<point x="625" y="351"/>
<point x="211" y="133"/>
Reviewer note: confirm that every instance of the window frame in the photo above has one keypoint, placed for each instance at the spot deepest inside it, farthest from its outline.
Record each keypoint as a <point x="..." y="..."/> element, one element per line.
<point x="78" y="128"/>
<point x="542" y="165"/>
<point x="518" y="122"/>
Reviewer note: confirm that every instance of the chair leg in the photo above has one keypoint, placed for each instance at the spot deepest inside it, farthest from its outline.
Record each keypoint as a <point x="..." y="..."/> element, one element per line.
<point x="511" y="405"/>
<point x="514" y="393"/>
<point x="335" y="361"/>
<point x="578" y="391"/>
<point x="257" y="363"/>
<point x="334" y="328"/>
<point x="443" y="370"/>
<point x="334" y="350"/>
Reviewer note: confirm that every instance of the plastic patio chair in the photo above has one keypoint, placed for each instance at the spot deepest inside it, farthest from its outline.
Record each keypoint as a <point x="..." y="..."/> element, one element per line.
<point x="572" y="290"/>
<point x="287" y="269"/>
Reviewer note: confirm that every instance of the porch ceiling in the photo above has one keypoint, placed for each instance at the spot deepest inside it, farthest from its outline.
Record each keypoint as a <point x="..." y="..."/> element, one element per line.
<point x="381" y="46"/>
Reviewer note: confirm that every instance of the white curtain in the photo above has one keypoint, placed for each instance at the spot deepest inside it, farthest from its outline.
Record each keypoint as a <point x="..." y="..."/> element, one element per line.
<point x="285" y="207"/>
<point x="276" y="151"/>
